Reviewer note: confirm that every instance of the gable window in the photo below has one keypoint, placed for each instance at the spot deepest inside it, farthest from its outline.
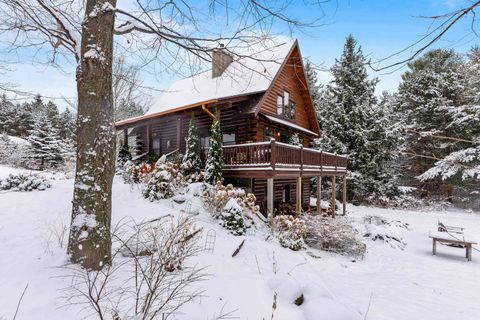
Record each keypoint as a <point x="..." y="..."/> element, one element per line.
<point x="280" y="105"/>
<point x="285" y="106"/>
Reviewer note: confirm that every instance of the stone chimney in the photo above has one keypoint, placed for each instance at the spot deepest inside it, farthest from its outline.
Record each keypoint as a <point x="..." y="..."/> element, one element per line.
<point x="220" y="61"/>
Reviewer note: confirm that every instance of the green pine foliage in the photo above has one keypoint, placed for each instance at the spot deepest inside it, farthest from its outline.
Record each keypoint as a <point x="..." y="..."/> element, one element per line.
<point x="355" y="124"/>
<point x="440" y="96"/>
<point x="46" y="145"/>
<point x="214" y="163"/>
<point x="433" y="85"/>
<point x="193" y="147"/>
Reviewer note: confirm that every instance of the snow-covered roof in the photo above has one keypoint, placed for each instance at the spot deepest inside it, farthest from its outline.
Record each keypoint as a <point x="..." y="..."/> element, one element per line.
<point x="289" y="124"/>
<point x="247" y="75"/>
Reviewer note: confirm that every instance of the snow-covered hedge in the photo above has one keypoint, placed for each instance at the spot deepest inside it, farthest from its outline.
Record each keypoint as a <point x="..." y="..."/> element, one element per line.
<point x="232" y="205"/>
<point x="24" y="182"/>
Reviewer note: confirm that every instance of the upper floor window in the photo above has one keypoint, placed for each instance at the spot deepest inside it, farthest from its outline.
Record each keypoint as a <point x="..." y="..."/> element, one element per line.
<point x="285" y="106"/>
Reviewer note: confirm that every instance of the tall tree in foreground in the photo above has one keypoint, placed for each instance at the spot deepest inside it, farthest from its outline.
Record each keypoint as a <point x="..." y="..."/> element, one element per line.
<point x="354" y="125"/>
<point x="172" y="36"/>
<point x="214" y="164"/>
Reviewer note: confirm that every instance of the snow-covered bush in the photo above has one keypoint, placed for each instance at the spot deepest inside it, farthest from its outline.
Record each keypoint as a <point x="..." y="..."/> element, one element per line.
<point x="232" y="218"/>
<point x="124" y="155"/>
<point x="232" y="205"/>
<point x="334" y="235"/>
<point x="14" y="151"/>
<point x="215" y="198"/>
<point x="135" y="173"/>
<point x="24" y="182"/>
<point x="165" y="178"/>
<point x="389" y="231"/>
<point x="290" y="231"/>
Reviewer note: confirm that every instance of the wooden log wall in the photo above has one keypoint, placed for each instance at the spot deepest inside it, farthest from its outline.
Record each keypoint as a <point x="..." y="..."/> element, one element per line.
<point x="290" y="79"/>
<point x="259" y="189"/>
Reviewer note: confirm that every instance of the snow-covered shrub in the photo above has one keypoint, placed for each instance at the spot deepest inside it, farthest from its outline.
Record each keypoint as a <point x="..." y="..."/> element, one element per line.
<point x="24" y="182"/>
<point x="135" y="173"/>
<point x="290" y="231"/>
<point x="232" y="218"/>
<point x="334" y="235"/>
<point x="388" y="231"/>
<point x="14" y="151"/>
<point x="215" y="198"/>
<point x="124" y="155"/>
<point x="165" y="178"/>
<point x="232" y="205"/>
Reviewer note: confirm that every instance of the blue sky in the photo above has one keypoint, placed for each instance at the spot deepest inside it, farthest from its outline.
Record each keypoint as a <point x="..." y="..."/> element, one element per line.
<point x="381" y="27"/>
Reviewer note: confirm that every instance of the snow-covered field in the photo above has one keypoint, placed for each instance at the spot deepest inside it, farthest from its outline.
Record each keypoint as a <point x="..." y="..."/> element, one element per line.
<point x="389" y="282"/>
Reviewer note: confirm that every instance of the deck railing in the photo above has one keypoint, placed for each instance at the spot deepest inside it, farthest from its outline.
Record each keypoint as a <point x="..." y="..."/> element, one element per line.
<point x="277" y="154"/>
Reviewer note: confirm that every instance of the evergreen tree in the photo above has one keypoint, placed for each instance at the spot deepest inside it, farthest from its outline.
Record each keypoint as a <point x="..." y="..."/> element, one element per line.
<point x="353" y="124"/>
<point x="45" y="142"/>
<point x="52" y="113"/>
<point x="460" y="163"/>
<point x="15" y="120"/>
<point x="433" y="86"/>
<point x="193" y="147"/>
<point x="214" y="164"/>
<point x="67" y="126"/>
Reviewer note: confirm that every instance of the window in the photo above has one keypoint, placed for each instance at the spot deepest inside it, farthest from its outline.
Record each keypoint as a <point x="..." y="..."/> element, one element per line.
<point x="290" y="110"/>
<point x="157" y="144"/>
<point x="205" y="142"/>
<point x="228" y="139"/>
<point x="280" y="105"/>
<point x="286" y="107"/>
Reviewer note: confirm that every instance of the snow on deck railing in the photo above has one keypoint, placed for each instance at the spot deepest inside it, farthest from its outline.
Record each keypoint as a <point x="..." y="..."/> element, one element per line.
<point x="264" y="152"/>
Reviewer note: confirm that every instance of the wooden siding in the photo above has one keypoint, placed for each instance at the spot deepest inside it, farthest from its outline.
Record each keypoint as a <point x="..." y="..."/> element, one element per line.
<point x="291" y="79"/>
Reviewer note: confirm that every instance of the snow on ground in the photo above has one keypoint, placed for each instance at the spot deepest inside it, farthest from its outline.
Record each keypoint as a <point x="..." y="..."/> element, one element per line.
<point x="389" y="282"/>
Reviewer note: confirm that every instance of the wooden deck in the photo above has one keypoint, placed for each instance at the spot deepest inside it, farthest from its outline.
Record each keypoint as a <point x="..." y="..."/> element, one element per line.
<point x="280" y="160"/>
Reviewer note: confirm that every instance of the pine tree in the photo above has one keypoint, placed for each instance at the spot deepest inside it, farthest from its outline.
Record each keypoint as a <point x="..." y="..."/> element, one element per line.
<point x="214" y="164"/>
<point x="45" y="143"/>
<point x="193" y="147"/>
<point x="67" y="126"/>
<point x="353" y="124"/>
<point x="460" y="165"/>
<point x="433" y="85"/>
<point x="15" y="120"/>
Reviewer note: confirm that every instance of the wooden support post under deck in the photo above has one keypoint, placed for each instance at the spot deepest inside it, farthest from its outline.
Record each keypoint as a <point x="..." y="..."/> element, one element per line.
<point x="125" y="137"/>
<point x="319" y="194"/>
<point x="298" y="204"/>
<point x="270" y="199"/>
<point x="333" y="196"/>
<point x="344" y="194"/>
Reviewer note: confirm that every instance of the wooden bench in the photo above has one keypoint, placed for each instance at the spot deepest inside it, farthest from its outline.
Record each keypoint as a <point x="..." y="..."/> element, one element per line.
<point x="446" y="238"/>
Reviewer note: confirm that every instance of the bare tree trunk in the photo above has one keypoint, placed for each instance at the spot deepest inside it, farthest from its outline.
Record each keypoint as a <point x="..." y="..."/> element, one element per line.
<point x="90" y="240"/>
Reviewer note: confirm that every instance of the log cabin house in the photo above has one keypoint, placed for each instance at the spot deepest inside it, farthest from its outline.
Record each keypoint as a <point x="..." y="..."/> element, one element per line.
<point x="262" y="100"/>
